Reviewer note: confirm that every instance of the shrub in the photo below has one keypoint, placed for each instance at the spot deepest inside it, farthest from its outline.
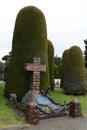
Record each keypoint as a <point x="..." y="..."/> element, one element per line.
<point x="64" y="68"/>
<point x="51" y="64"/>
<point x="29" y="41"/>
<point x="74" y="72"/>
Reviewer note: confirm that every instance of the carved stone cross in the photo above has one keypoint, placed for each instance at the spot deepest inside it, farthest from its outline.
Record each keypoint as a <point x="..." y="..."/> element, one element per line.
<point x="36" y="67"/>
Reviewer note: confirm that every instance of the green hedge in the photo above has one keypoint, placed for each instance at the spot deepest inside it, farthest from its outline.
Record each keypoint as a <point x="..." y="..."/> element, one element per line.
<point x="64" y="70"/>
<point x="51" y="64"/>
<point x="74" y="72"/>
<point x="29" y="41"/>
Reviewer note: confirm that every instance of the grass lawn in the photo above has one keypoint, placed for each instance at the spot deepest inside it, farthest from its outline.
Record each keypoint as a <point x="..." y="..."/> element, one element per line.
<point x="59" y="96"/>
<point x="7" y="116"/>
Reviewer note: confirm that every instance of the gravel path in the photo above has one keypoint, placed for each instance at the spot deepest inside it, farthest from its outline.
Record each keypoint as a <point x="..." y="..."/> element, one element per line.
<point x="61" y="123"/>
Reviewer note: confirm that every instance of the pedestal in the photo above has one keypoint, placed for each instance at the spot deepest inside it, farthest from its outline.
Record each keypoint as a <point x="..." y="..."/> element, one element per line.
<point x="32" y="113"/>
<point x="75" y="109"/>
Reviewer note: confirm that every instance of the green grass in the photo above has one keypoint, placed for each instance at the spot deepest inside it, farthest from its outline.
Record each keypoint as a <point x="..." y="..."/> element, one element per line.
<point x="59" y="96"/>
<point x="7" y="116"/>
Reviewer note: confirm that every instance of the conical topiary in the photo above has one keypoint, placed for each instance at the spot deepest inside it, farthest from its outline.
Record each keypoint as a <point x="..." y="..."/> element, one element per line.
<point x="75" y="74"/>
<point x="51" y="64"/>
<point x="29" y="41"/>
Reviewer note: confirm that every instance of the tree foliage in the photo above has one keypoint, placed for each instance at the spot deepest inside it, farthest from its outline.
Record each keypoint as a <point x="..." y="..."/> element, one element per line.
<point x="57" y="66"/>
<point x="2" y="69"/>
<point x="64" y="67"/>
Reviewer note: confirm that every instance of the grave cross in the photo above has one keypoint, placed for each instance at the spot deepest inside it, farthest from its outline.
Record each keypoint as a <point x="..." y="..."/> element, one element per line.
<point x="36" y="67"/>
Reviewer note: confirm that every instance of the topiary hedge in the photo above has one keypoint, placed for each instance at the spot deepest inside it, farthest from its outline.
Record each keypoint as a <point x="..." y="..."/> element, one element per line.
<point x="64" y="70"/>
<point x="29" y="41"/>
<point x="74" y="72"/>
<point x="51" y="64"/>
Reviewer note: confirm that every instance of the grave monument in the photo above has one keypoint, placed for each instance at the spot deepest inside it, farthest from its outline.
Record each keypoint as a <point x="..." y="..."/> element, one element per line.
<point x="36" y="67"/>
<point x="47" y="107"/>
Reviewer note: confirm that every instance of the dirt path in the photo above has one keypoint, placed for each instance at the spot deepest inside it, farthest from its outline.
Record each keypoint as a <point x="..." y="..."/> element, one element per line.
<point x="61" y="123"/>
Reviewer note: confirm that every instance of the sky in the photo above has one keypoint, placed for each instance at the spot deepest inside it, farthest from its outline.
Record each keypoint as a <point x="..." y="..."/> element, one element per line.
<point x="66" y="22"/>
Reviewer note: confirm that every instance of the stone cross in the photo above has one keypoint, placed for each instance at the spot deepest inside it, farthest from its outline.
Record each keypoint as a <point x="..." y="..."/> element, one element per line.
<point x="36" y="68"/>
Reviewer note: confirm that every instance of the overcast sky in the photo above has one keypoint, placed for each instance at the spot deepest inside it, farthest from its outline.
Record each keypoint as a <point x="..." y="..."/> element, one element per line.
<point x="66" y="22"/>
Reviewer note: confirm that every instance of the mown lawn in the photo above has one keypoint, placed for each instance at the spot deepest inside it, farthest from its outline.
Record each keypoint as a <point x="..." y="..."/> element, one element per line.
<point x="59" y="96"/>
<point x="7" y="116"/>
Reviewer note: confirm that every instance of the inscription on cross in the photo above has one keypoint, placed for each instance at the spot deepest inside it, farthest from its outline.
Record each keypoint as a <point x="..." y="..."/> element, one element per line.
<point x="36" y="68"/>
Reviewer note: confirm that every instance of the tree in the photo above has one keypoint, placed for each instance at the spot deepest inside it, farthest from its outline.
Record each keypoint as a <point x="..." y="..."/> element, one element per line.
<point x="58" y="63"/>
<point x="57" y="60"/>
<point x="6" y="58"/>
<point x="2" y="68"/>
<point x="55" y="71"/>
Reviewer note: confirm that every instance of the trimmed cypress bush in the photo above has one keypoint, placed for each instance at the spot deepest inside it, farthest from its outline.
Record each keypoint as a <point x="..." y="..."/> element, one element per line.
<point x="51" y="64"/>
<point x="75" y="76"/>
<point x="29" y="41"/>
<point x="64" y="68"/>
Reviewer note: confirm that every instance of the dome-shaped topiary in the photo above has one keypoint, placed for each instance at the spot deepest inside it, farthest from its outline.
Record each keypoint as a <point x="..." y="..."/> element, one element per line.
<point x="51" y="64"/>
<point x="29" y="41"/>
<point x="75" y="73"/>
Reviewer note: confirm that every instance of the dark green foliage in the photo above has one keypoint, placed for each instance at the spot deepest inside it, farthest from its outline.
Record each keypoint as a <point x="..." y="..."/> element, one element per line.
<point x="57" y="60"/>
<point x="64" y="68"/>
<point x="60" y="71"/>
<point x="6" y="68"/>
<point x="58" y="63"/>
<point x="74" y="77"/>
<point x="6" y="58"/>
<point x="29" y="41"/>
<point x="2" y="68"/>
<point x="55" y="71"/>
<point x="51" y="64"/>
<point x="85" y="53"/>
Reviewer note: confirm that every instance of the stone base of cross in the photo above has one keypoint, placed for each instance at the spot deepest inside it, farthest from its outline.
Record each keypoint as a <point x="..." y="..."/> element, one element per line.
<point x="36" y="68"/>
